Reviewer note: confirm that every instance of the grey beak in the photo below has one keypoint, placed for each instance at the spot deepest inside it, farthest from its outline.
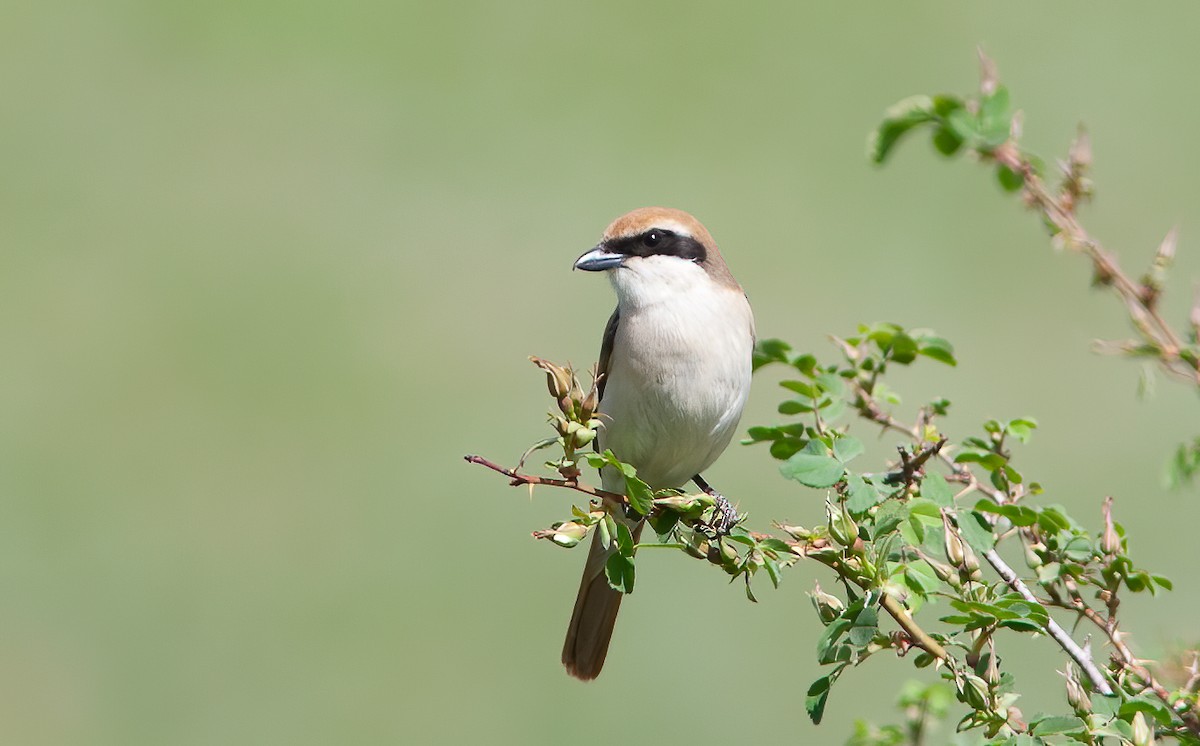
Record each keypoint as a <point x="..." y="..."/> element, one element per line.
<point x="598" y="260"/>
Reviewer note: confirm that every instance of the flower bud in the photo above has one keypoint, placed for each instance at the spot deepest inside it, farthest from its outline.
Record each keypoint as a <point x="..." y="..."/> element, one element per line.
<point x="558" y="379"/>
<point x="991" y="674"/>
<point x="562" y="426"/>
<point x="568" y="534"/>
<point x="583" y="436"/>
<point x="590" y="402"/>
<point x="1143" y="734"/>
<point x="1076" y="696"/>
<point x="954" y="547"/>
<point x="828" y="607"/>
<point x="842" y="527"/>
<point x="974" y="692"/>
<point x="1110" y="542"/>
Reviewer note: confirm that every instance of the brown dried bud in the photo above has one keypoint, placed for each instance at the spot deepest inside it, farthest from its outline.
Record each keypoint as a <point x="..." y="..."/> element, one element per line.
<point x="558" y="379"/>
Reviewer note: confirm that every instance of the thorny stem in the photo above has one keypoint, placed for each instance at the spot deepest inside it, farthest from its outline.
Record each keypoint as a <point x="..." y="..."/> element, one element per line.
<point x="1125" y="656"/>
<point x="1141" y="303"/>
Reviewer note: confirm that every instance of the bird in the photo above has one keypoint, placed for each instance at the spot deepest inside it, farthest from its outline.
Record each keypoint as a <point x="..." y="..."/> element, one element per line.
<point x="675" y="368"/>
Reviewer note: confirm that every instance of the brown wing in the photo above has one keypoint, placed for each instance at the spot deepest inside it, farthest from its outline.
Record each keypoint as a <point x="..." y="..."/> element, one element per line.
<point x="606" y="348"/>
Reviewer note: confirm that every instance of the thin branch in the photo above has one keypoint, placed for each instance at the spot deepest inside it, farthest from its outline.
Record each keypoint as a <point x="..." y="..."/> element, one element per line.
<point x="1127" y="660"/>
<point x="519" y="479"/>
<point x="1139" y="298"/>
<point x="870" y="409"/>
<point x="1060" y="635"/>
<point x="919" y="636"/>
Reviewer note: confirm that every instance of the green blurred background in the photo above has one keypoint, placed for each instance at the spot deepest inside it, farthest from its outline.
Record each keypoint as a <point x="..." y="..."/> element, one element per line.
<point x="268" y="270"/>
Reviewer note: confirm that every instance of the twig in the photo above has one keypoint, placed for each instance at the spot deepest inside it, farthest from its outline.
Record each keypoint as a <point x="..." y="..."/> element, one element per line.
<point x="919" y="636"/>
<point x="1140" y="300"/>
<point x="910" y="464"/>
<point x="519" y="479"/>
<point x="870" y="409"/>
<point x="1060" y="635"/>
<point x="1129" y="662"/>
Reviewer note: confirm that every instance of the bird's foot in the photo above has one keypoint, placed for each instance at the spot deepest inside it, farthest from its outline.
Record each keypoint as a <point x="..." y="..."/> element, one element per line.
<point x="725" y="516"/>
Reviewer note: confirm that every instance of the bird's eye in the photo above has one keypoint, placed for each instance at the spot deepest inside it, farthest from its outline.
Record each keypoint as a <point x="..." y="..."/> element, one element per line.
<point x="653" y="238"/>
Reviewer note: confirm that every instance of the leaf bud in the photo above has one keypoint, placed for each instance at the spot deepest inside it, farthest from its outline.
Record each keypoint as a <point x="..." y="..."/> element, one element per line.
<point x="829" y="607"/>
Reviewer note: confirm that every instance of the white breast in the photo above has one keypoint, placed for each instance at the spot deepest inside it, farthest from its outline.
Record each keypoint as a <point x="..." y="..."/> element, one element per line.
<point x="680" y="370"/>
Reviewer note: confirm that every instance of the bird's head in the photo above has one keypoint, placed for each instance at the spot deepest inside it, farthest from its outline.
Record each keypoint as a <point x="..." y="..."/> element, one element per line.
<point x="657" y="248"/>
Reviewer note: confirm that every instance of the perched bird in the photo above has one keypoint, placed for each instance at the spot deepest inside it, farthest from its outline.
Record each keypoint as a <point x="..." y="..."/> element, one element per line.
<point x="676" y="360"/>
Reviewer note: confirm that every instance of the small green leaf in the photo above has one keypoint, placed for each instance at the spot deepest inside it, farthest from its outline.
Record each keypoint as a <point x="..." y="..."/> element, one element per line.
<point x="818" y="695"/>
<point x="641" y="497"/>
<point x="813" y="467"/>
<point x="619" y="570"/>
<point x="935" y="488"/>
<point x="897" y="120"/>
<point x="768" y="351"/>
<point x="1009" y="180"/>
<point x="784" y="448"/>
<point x="946" y="141"/>
<point x="903" y="348"/>
<point x="976" y="531"/>
<point x="795" y="406"/>
<point x="863" y="494"/>
<point x="847" y="447"/>
<point x="804" y="388"/>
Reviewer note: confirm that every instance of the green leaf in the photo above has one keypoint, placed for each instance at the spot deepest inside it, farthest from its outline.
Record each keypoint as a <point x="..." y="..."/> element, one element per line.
<point x="995" y="119"/>
<point x="813" y="467"/>
<point x="641" y="497"/>
<point x="890" y="515"/>
<point x="783" y="448"/>
<point x="847" y="447"/>
<point x="903" y="348"/>
<point x="795" y="406"/>
<point x="921" y="578"/>
<point x="1021" y="428"/>
<point x="863" y="494"/>
<point x="935" y="488"/>
<point x="935" y="348"/>
<point x="946" y="141"/>
<point x="897" y="120"/>
<point x="624" y="539"/>
<point x="1009" y="180"/>
<point x="818" y="695"/>
<point x="976" y="531"/>
<point x="768" y="351"/>
<point x="804" y="388"/>
<point x="619" y="570"/>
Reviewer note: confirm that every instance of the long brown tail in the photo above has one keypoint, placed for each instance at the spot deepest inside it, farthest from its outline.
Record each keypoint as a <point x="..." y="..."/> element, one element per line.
<point x="595" y="614"/>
